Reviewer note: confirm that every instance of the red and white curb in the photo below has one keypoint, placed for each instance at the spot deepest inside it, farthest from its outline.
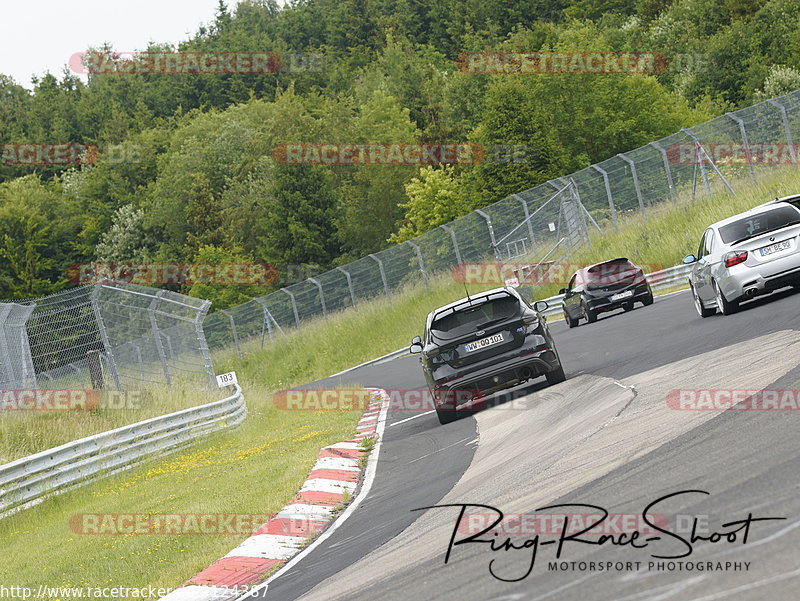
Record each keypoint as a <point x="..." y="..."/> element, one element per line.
<point x="310" y="511"/>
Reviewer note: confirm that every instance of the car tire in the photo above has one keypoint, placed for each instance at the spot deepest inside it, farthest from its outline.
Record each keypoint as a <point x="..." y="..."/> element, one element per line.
<point x="570" y="322"/>
<point x="698" y="304"/>
<point x="628" y="306"/>
<point x="724" y="306"/>
<point x="648" y="300"/>
<point x="556" y="376"/>
<point x="446" y="416"/>
<point x="590" y="315"/>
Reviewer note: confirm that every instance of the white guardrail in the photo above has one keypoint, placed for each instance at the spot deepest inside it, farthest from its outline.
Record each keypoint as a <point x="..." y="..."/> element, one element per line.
<point x="658" y="280"/>
<point x="30" y="478"/>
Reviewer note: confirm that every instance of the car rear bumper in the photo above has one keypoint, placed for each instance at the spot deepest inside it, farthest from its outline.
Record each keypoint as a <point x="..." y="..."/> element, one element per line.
<point x="500" y="375"/>
<point x="749" y="282"/>
<point x="602" y="304"/>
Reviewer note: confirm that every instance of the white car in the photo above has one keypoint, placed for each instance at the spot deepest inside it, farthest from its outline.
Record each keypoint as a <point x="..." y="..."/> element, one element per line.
<point x="752" y="253"/>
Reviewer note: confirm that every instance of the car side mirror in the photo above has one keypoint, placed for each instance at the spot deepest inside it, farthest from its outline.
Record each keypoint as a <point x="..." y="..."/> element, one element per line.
<point x="416" y="346"/>
<point x="540" y="306"/>
<point x="689" y="259"/>
<point x="562" y="291"/>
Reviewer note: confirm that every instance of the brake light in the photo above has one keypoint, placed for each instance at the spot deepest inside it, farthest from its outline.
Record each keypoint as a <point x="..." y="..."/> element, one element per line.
<point x="734" y="258"/>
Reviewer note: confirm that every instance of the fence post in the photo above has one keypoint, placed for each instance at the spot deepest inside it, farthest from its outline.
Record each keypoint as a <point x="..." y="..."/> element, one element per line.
<point x="635" y="182"/>
<point x="139" y="359"/>
<point x="267" y="325"/>
<point x="383" y="273"/>
<point x="419" y="258"/>
<point x="702" y="162"/>
<point x="104" y="337"/>
<point x="491" y="232"/>
<point x="321" y="295"/>
<point x="234" y="331"/>
<point x="786" y="129"/>
<point x="349" y="284"/>
<point x="747" y="151"/>
<point x="611" y="206"/>
<point x="202" y="343"/>
<point x="455" y="243"/>
<point x="527" y="220"/>
<point x="294" y="306"/>
<point x="157" y="336"/>
<point x="667" y="169"/>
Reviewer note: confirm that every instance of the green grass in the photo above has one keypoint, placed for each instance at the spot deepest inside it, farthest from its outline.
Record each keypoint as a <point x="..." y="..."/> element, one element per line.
<point x="252" y="470"/>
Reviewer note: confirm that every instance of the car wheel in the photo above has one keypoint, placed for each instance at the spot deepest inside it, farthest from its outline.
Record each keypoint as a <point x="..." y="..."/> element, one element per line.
<point x="698" y="304"/>
<point x="591" y="316"/>
<point x="648" y="300"/>
<point x="724" y="306"/>
<point x="570" y="322"/>
<point x="554" y="377"/>
<point x="628" y="306"/>
<point x="446" y="415"/>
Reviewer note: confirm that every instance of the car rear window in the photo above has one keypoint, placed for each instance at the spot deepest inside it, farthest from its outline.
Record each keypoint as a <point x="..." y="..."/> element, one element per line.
<point x="473" y="317"/>
<point x="610" y="272"/>
<point x="755" y="225"/>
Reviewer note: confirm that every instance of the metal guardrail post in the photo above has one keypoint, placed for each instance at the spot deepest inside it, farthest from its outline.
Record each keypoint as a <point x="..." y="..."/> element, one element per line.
<point x="109" y="353"/>
<point x="667" y="169"/>
<point x="786" y="129"/>
<point x="419" y="257"/>
<point x="321" y="295"/>
<point x="294" y="305"/>
<point x="383" y="273"/>
<point x="234" y="331"/>
<point x="526" y="211"/>
<point x="157" y="336"/>
<point x="349" y="285"/>
<point x="635" y="181"/>
<point x="611" y="206"/>
<point x="491" y="231"/>
<point x="747" y="151"/>
<point x="450" y="231"/>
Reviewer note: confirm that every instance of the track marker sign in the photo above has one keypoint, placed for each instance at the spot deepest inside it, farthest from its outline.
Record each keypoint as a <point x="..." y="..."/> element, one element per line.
<point x="228" y="379"/>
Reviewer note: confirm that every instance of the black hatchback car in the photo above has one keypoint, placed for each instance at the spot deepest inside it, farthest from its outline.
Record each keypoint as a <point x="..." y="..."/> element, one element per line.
<point x="606" y="286"/>
<point x="484" y="343"/>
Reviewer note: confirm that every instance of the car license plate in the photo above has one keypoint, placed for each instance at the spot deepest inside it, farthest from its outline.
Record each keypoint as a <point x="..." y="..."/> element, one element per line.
<point x="775" y="248"/>
<point x="483" y="343"/>
<point x="622" y="295"/>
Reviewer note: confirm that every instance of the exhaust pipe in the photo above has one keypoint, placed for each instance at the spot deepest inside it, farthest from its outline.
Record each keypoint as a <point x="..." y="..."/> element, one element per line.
<point x="525" y="373"/>
<point x="751" y="292"/>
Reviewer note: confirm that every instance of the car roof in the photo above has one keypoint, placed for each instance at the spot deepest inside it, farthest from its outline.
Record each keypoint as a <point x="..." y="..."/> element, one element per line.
<point x="590" y="267"/>
<point x="474" y="297"/>
<point x="764" y="208"/>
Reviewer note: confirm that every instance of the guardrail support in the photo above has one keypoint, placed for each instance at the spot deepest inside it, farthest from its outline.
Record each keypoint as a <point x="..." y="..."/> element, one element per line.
<point x="321" y="295"/>
<point x="294" y="305"/>
<point x="491" y="231"/>
<point x="349" y="284"/>
<point x="234" y="331"/>
<point x="747" y="152"/>
<point x="635" y="176"/>
<point x="611" y="205"/>
<point x="157" y="336"/>
<point x="450" y="231"/>
<point x="419" y="257"/>
<point x="383" y="273"/>
<point x="101" y="326"/>
<point x="667" y="169"/>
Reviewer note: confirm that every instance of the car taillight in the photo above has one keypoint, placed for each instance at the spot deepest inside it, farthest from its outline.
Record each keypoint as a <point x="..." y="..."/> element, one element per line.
<point x="734" y="258"/>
